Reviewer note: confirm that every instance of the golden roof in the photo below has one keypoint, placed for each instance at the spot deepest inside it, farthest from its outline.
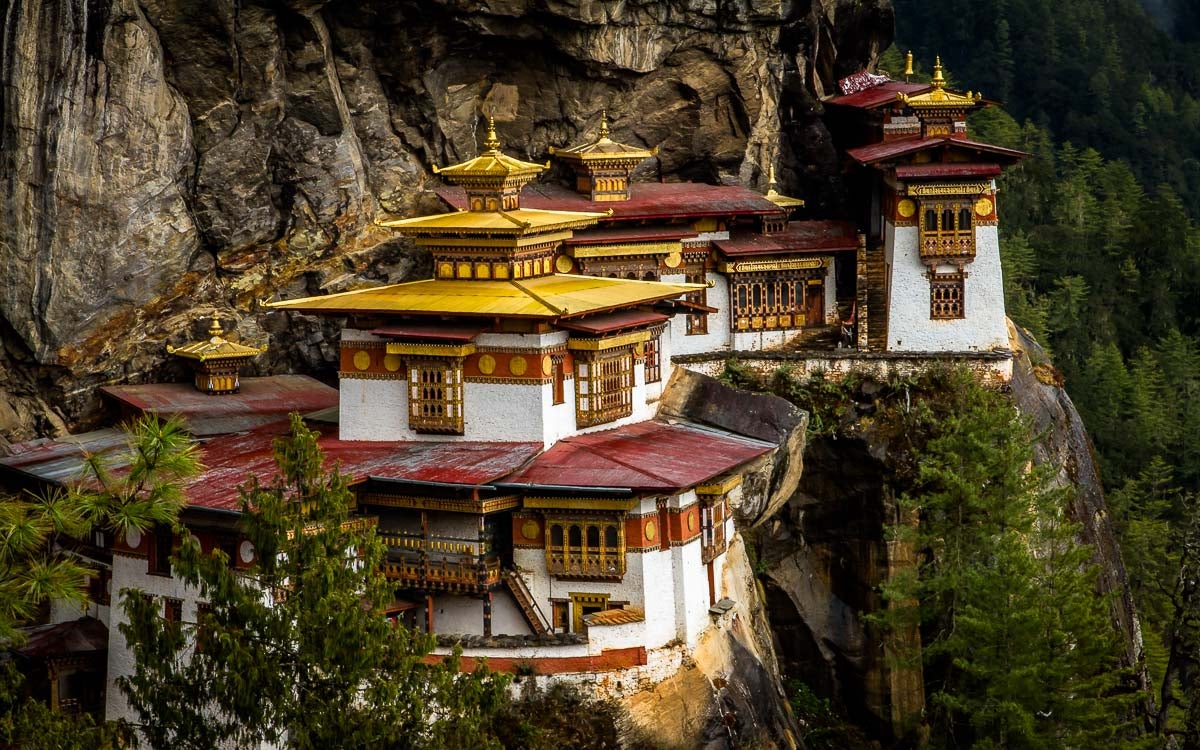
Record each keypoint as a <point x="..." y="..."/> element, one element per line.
<point x="603" y="148"/>
<point x="518" y="221"/>
<point x="938" y="97"/>
<point x="215" y="347"/>
<point x="773" y="195"/>
<point x="491" y="164"/>
<point x="554" y="296"/>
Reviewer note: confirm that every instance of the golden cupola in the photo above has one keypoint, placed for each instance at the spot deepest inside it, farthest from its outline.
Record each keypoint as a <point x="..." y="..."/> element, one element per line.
<point x="603" y="167"/>
<point x="941" y="111"/>
<point x="775" y="223"/>
<point x="216" y="360"/>
<point x="493" y="180"/>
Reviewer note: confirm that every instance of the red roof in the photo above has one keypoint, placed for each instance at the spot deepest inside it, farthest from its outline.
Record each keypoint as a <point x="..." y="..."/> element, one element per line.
<point x="947" y="170"/>
<point x="431" y="332"/>
<point x="801" y="236"/>
<point x="275" y="397"/>
<point x="648" y="200"/>
<point x="629" y="234"/>
<point x="878" y="95"/>
<point x="650" y="456"/>
<point x="87" y="635"/>
<point x="232" y="459"/>
<point x="888" y="150"/>
<point x="615" y="321"/>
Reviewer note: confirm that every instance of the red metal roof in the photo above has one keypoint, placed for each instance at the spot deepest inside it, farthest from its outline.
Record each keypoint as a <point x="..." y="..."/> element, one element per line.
<point x="615" y="321"/>
<point x="275" y="395"/>
<point x="880" y="152"/>
<point x="878" y="95"/>
<point x="630" y="234"/>
<point x="232" y="459"/>
<point x="648" y="200"/>
<point x="947" y="170"/>
<point x="76" y="637"/>
<point x="59" y="461"/>
<point x="430" y="332"/>
<point x="651" y="456"/>
<point x="800" y="237"/>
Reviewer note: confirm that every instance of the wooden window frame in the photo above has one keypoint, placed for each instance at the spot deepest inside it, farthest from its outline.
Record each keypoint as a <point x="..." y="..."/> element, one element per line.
<point x="603" y="387"/>
<point x="697" y="323"/>
<point x="559" y="390"/>
<point x="435" y="396"/>
<point x="947" y="295"/>
<point x="767" y="301"/>
<point x="598" y="560"/>
<point x="162" y="544"/>
<point x="654" y="358"/>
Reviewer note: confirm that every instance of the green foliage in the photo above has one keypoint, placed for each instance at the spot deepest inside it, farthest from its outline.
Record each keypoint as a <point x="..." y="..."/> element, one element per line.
<point x="563" y="716"/>
<point x="820" y="727"/>
<point x="298" y="650"/>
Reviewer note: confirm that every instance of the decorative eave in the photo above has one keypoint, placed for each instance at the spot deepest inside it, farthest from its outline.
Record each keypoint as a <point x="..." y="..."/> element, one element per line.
<point x="604" y="151"/>
<point x="515" y="222"/>
<point x="216" y="347"/>
<point x="492" y="167"/>
<point x="938" y="98"/>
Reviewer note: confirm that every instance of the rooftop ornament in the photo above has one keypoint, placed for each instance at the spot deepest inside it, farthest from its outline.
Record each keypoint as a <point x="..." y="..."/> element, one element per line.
<point x="216" y="360"/>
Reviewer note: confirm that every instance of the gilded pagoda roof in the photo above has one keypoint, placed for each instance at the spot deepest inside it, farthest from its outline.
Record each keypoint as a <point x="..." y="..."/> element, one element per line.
<point x="603" y="149"/>
<point x="216" y="346"/>
<point x="517" y="222"/>
<point x="492" y="164"/>
<point x="775" y="197"/>
<point x="553" y="296"/>
<point x="938" y="97"/>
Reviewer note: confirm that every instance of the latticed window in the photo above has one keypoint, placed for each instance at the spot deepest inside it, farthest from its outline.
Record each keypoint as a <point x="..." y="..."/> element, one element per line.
<point x="603" y="387"/>
<point x="712" y="529"/>
<point x="767" y="301"/>
<point x="654" y="359"/>
<point x="947" y="230"/>
<point x="579" y="547"/>
<point x="435" y="396"/>
<point x="946" y="296"/>
<point x="697" y="323"/>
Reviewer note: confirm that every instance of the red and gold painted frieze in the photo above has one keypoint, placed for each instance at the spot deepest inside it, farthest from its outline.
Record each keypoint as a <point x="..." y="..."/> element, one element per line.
<point x="903" y="210"/>
<point x="378" y="360"/>
<point x="528" y="531"/>
<point x="684" y="524"/>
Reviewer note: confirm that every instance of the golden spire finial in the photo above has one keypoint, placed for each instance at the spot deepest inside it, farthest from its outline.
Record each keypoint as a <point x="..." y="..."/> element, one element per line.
<point x="215" y="330"/>
<point x="908" y="65"/>
<point x="771" y="177"/>
<point x="603" y="123"/>
<point x="491" y="142"/>
<point x="938" y="80"/>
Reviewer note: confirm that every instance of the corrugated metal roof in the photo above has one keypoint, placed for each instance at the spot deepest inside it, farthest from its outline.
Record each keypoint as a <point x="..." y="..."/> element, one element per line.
<point x="877" y="95"/>
<point x="86" y="635"/>
<point x="274" y="395"/>
<point x="647" y="200"/>
<point x="626" y="616"/>
<point x="614" y="321"/>
<point x="445" y="332"/>
<point x="648" y="456"/>
<point x="554" y="296"/>
<point x="887" y="150"/>
<point x="801" y="236"/>
<point x="59" y="461"/>
<point x="630" y="234"/>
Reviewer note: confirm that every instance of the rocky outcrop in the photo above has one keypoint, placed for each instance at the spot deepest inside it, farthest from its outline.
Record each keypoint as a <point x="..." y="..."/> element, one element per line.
<point x="165" y="159"/>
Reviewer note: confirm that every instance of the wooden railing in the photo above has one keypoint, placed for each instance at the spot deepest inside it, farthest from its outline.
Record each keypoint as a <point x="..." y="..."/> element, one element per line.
<point x="586" y="562"/>
<point x="465" y="572"/>
<point x="438" y="544"/>
<point x="950" y="246"/>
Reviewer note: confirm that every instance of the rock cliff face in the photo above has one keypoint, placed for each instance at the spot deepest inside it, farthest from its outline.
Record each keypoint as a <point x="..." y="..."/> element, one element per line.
<point x="164" y="159"/>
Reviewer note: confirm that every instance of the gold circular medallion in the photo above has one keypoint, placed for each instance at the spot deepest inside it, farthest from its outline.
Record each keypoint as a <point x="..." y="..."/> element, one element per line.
<point x="563" y="264"/>
<point x="391" y="362"/>
<point x="487" y="364"/>
<point x="639" y="349"/>
<point x="517" y="365"/>
<point x="547" y="365"/>
<point x="983" y="206"/>
<point x="906" y="208"/>
<point x="673" y="260"/>
<point x="362" y="359"/>
<point x="691" y="521"/>
<point x="530" y="529"/>
<point x="651" y="529"/>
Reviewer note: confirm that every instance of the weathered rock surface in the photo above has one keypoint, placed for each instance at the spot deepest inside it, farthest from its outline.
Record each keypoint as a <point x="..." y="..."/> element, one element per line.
<point x="165" y="159"/>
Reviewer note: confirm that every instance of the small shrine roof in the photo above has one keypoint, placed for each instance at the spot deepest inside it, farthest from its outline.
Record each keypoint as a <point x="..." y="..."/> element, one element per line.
<point x="603" y="148"/>
<point x="888" y="150"/>
<point x="492" y="163"/>
<point x="606" y="235"/>
<point x="799" y="237"/>
<point x="446" y="332"/>
<point x="519" y="221"/>
<point x="626" y="616"/>
<point x="553" y="296"/>
<point x="647" y="200"/>
<point x="614" y="321"/>
<point x="87" y="635"/>
<point x="878" y="95"/>
<point x="645" y="456"/>
<point x="216" y="346"/>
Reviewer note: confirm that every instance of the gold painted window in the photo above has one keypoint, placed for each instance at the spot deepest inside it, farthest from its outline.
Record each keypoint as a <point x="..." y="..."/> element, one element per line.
<point x="603" y="387"/>
<point x="697" y="323"/>
<point x="767" y="301"/>
<point x="947" y="230"/>
<point x="712" y="529"/>
<point x="435" y="396"/>
<point x="946" y="292"/>
<point x="654" y="359"/>
<point x="585" y="548"/>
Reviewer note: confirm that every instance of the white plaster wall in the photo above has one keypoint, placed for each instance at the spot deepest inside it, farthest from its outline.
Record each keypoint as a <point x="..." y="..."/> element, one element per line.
<point x="531" y="341"/>
<point x="457" y="615"/>
<point x="558" y="419"/>
<point x="756" y="341"/>
<point x="659" y="597"/>
<point x="506" y="615"/>
<point x="909" y="325"/>
<point x="503" y="412"/>
<point x="373" y="410"/>
<point x="718" y="336"/>
<point x="130" y="573"/>
<point x="691" y="591"/>
<point x="602" y="637"/>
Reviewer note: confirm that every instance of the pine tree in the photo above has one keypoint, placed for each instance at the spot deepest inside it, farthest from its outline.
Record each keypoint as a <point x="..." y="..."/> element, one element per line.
<point x="298" y="650"/>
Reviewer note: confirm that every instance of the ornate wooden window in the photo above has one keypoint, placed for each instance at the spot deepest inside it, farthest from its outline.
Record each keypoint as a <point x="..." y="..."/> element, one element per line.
<point x="697" y="323"/>
<point x="712" y="529"/>
<point x="946" y="292"/>
<point x="767" y="301"/>
<point x="435" y="396"/>
<point x="947" y="229"/>
<point x="654" y="359"/>
<point x="559" y="382"/>
<point x="603" y="387"/>
<point x="586" y="548"/>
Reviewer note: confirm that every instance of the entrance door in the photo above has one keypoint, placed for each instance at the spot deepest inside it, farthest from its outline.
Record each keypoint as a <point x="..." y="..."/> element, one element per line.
<point x="814" y="303"/>
<point x="586" y="604"/>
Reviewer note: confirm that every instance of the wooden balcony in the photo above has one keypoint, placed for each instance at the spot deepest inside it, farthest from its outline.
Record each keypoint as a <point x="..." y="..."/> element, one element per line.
<point x="950" y="247"/>
<point x="465" y="573"/>
<point x="589" y="563"/>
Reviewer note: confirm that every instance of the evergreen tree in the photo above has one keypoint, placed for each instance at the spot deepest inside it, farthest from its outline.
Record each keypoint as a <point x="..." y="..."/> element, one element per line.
<point x="297" y="650"/>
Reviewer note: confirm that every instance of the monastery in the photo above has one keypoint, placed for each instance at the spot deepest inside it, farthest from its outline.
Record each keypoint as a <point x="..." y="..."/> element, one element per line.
<point x="501" y="422"/>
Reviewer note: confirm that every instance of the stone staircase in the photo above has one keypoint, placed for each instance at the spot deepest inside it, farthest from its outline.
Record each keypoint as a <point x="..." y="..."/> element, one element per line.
<point x="529" y="608"/>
